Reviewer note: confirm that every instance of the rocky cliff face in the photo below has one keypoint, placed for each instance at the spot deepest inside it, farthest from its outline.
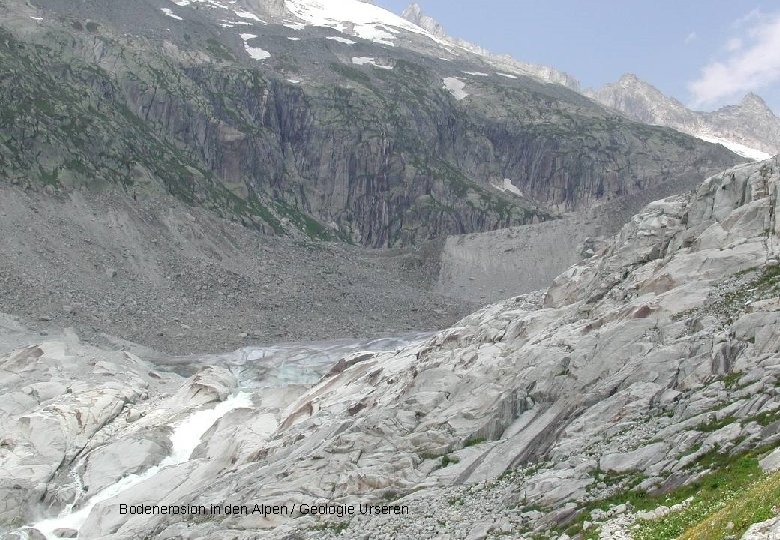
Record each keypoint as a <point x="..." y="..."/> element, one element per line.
<point x="274" y="116"/>
<point x="643" y="369"/>
<point x="750" y="128"/>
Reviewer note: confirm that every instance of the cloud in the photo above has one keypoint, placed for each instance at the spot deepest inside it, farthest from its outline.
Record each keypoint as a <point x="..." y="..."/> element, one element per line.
<point x="753" y="64"/>
<point x="751" y="17"/>
<point x="690" y="38"/>
<point x="734" y="44"/>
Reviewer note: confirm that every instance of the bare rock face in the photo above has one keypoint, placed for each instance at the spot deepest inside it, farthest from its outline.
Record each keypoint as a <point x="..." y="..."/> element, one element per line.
<point x="413" y="13"/>
<point x="764" y="531"/>
<point x="311" y="140"/>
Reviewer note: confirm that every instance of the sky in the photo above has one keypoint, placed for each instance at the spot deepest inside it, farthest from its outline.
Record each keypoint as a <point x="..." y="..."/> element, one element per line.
<point x="705" y="53"/>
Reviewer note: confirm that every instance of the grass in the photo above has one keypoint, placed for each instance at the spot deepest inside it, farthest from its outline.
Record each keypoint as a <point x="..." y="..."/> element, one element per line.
<point x="732" y="379"/>
<point x="765" y="418"/>
<point x="753" y="505"/>
<point x="715" y="425"/>
<point x="448" y="459"/>
<point x="764" y="286"/>
<point x="718" y="494"/>
<point x="733" y="480"/>
<point x="337" y="527"/>
<point x="473" y="442"/>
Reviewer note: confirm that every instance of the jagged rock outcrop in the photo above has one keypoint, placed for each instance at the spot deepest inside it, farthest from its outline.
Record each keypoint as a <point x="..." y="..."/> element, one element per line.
<point x="414" y="13"/>
<point x="643" y="360"/>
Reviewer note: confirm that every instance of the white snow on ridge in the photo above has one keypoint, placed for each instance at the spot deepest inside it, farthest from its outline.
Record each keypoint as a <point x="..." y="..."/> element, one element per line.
<point x="507" y="75"/>
<point x="171" y="14"/>
<point x="369" y="22"/>
<point x="455" y="87"/>
<point x="212" y="3"/>
<point x="255" y="52"/>
<point x="341" y="40"/>
<point x="367" y="60"/>
<point x="476" y="73"/>
<point x="737" y="148"/>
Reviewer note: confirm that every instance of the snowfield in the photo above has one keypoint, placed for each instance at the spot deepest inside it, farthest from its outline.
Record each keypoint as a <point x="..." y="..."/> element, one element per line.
<point x="369" y="22"/>
<point x="737" y="148"/>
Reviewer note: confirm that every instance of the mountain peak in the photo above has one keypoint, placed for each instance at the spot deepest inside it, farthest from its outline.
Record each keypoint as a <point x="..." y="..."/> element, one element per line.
<point x="629" y="78"/>
<point x="414" y="14"/>
<point x="632" y="80"/>
<point x="754" y="101"/>
<point x="413" y="10"/>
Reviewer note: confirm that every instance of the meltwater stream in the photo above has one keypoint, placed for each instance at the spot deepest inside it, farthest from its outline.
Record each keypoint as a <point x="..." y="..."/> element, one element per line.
<point x="185" y="438"/>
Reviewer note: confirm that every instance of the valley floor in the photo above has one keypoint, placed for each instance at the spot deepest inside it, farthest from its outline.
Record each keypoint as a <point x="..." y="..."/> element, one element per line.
<point x="180" y="280"/>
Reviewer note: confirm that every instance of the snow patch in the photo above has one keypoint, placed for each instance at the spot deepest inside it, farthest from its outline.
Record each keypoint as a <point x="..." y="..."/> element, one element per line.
<point x="255" y="52"/>
<point x="507" y="75"/>
<point x="212" y="3"/>
<point x="737" y="148"/>
<point x="231" y="24"/>
<point x="294" y="38"/>
<point x="39" y="19"/>
<point x="367" y="60"/>
<point x="476" y="73"/>
<point x="171" y="14"/>
<point x="248" y="15"/>
<point x="341" y="40"/>
<point x="508" y="187"/>
<point x="295" y="26"/>
<point x="455" y="87"/>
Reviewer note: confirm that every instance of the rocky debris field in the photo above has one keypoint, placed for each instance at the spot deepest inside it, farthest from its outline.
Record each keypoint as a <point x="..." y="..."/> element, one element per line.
<point x="175" y="278"/>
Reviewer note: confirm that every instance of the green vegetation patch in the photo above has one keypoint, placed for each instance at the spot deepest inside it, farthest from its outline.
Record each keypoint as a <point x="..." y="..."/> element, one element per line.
<point x="767" y="285"/>
<point x="715" y="425"/>
<point x="732" y="479"/>
<point x="752" y="505"/>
